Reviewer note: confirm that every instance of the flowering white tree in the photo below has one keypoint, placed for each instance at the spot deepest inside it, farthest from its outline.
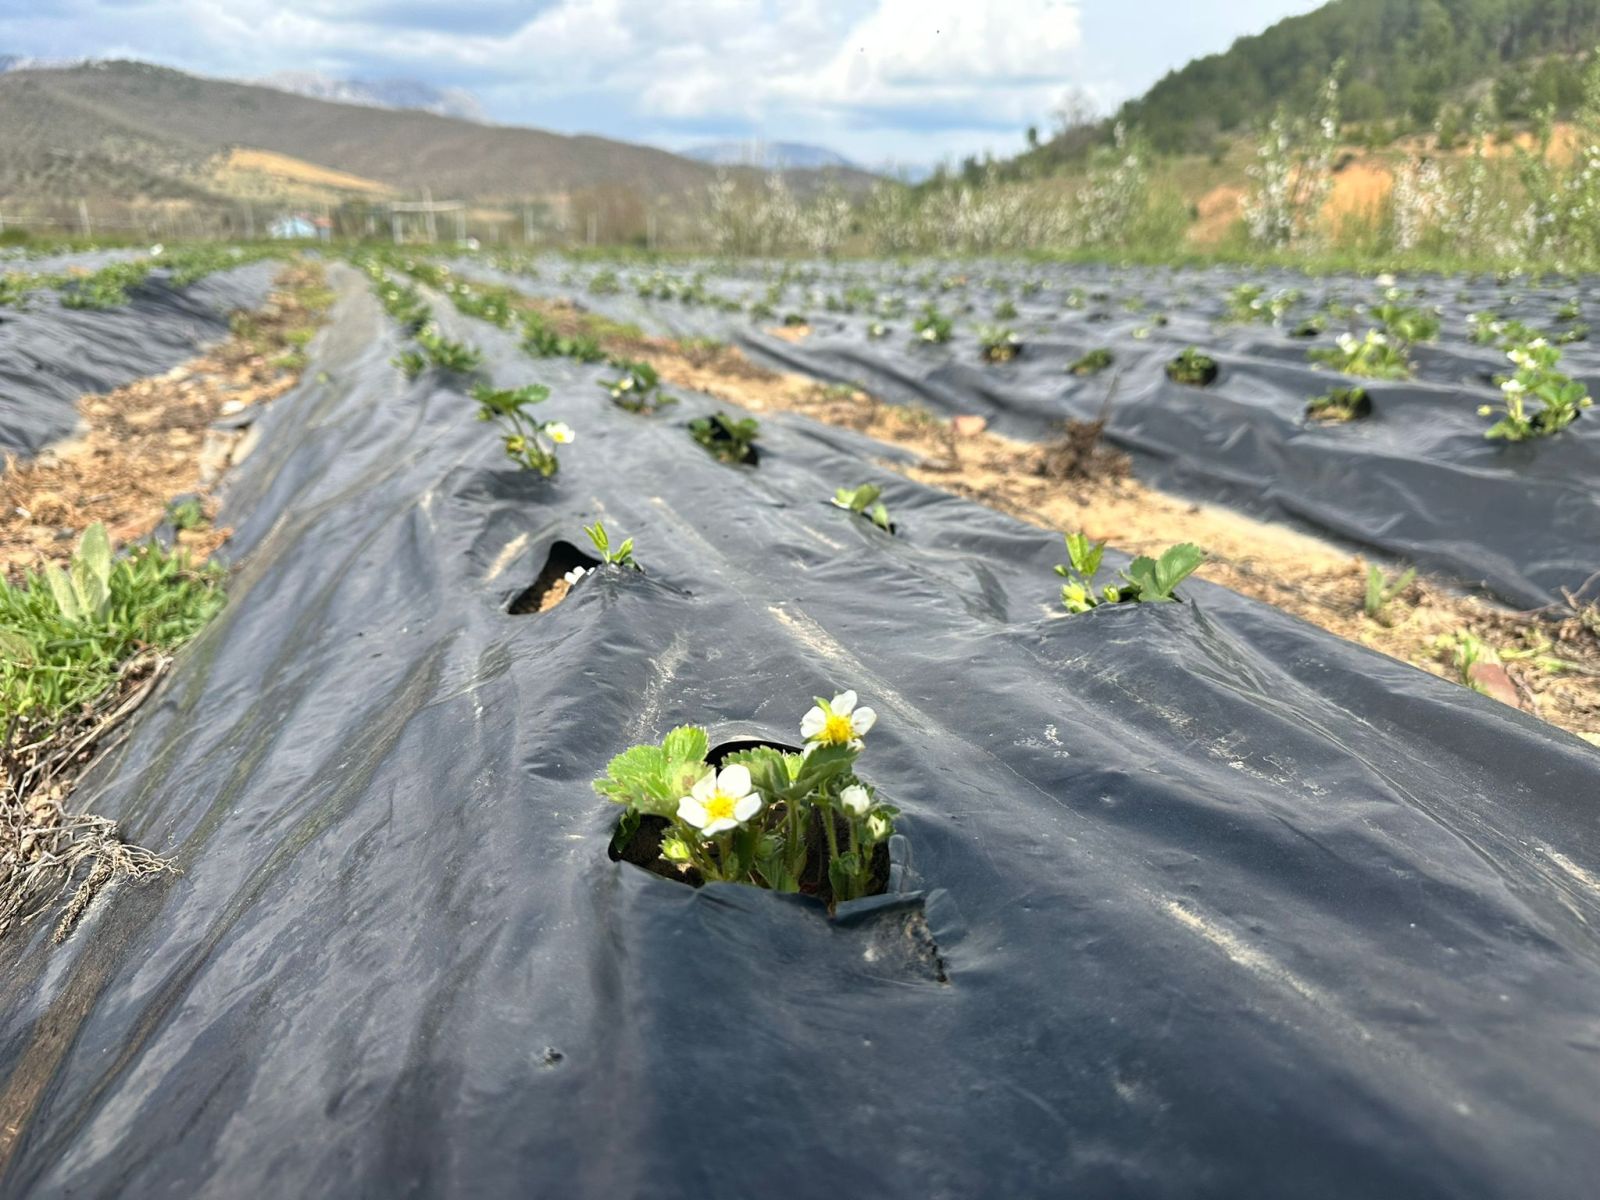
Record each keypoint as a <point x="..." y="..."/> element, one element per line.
<point x="825" y="221"/>
<point x="1293" y="172"/>
<point x="1115" y="194"/>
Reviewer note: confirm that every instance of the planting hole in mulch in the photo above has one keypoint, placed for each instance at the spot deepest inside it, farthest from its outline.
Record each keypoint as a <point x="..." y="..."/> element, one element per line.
<point x="551" y="588"/>
<point x="643" y="847"/>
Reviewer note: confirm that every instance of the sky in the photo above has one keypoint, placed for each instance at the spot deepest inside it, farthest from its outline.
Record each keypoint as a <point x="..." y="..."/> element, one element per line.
<point x="909" y="81"/>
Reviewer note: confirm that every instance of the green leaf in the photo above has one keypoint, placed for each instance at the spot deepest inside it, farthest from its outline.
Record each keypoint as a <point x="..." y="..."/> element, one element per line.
<point x="639" y="778"/>
<point x="769" y="773"/>
<point x="16" y="648"/>
<point x="63" y="593"/>
<point x="1177" y="564"/>
<point x="1084" y="554"/>
<point x="1141" y="572"/>
<point x="822" y="765"/>
<point x="94" y="550"/>
<point x="686" y="743"/>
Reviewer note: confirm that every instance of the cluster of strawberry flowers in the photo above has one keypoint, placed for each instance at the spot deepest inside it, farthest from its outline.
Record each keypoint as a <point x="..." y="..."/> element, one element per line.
<point x="755" y="816"/>
<point x="1539" y="399"/>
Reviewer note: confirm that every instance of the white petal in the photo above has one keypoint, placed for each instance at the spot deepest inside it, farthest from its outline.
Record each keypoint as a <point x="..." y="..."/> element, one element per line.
<point x="734" y="780"/>
<point x="855" y="798"/>
<point x="707" y="784"/>
<point x="721" y="825"/>
<point x="692" y="812"/>
<point x="862" y="720"/>
<point x="812" y="723"/>
<point x="747" y="808"/>
<point x="843" y="703"/>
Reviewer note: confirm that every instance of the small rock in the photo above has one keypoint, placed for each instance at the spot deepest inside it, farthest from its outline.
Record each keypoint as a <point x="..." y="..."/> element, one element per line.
<point x="969" y="425"/>
<point x="1494" y="680"/>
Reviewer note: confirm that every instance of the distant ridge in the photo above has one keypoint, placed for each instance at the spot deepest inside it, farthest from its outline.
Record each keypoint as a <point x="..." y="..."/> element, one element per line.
<point x="769" y="156"/>
<point x="408" y="94"/>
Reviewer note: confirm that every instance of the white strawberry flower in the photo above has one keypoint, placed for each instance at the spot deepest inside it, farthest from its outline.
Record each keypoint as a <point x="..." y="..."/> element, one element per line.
<point x="560" y="433"/>
<point x="1513" y="387"/>
<point x="856" y="799"/>
<point x="878" y="827"/>
<point x="721" y="801"/>
<point x="837" y="722"/>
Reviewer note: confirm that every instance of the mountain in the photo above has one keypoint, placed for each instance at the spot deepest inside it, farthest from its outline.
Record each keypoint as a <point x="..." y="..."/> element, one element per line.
<point x="1404" y="61"/>
<point x="768" y="156"/>
<point x="380" y="93"/>
<point x="129" y="129"/>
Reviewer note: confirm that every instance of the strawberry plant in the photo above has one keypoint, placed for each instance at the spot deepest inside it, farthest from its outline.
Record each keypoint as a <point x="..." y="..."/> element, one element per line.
<point x="1560" y="398"/>
<point x="1250" y="302"/>
<point x="1340" y="404"/>
<point x="1375" y="356"/>
<point x="1406" y="323"/>
<point x="410" y="362"/>
<point x="1146" y="580"/>
<point x="998" y="344"/>
<point x="933" y="327"/>
<point x="1192" y="367"/>
<point x="622" y="556"/>
<point x="107" y="287"/>
<point x="728" y="439"/>
<point x="637" y="388"/>
<point x="441" y="352"/>
<point x="763" y="817"/>
<point x="1093" y="362"/>
<point x="864" y="502"/>
<point x="529" y="443"/>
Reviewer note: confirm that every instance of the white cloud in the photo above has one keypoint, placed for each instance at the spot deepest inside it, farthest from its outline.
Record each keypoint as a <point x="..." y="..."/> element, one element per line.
<point x="872" y="77"/>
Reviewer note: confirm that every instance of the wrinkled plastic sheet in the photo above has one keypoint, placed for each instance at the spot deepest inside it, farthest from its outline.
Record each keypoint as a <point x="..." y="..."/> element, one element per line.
<point x="50" y="356"/>
<point x="1416" y="482"/>
<point x="1223" y="906"/>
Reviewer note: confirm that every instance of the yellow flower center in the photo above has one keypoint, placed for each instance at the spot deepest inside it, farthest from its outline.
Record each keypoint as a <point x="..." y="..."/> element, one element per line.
<point x="720" y="807"/>
<point x="837" y="730"/>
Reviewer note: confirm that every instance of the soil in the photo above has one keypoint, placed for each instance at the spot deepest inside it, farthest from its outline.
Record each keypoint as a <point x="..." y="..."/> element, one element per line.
<point x="551" y="587"/>
<point x="1550" y="659"/>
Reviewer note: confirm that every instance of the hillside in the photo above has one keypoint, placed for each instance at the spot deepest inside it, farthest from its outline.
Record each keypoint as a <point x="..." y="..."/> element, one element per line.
<point x="125" y="128"/>
<point x="1405" y="61"/>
